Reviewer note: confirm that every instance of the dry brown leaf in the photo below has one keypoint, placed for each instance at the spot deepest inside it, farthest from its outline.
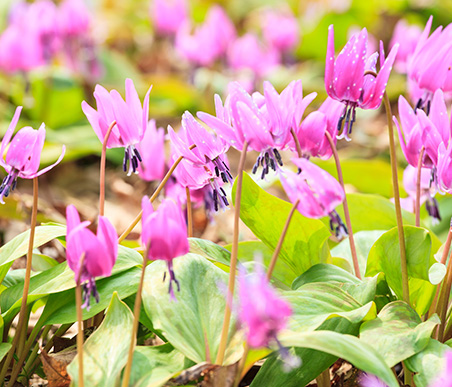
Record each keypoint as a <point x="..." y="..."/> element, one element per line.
<point x="55" y="365"/>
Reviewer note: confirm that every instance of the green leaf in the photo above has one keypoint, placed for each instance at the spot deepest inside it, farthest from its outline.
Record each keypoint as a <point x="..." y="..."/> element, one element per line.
<point x="193" y="323"/>
<point x="154" y="366"/>
<point x="305" y="242"/>
<point x="362" y="291"/>
<point x="428" y="364"/>
<point x="210" y="251"/>
<point x="398" y="332"/>
<point x="347" y="347"/>
<point x="314" y="362"/>
<point x="4" y="348"/>
<point x="364" y="241"/>
<point x="105" y="351"/>
<point x="57" y="279"/>
<point x="18" y="246"/>
<point x="372" y="212"/>
<point x="385" y="257"/>
<point x="314" y="303"/>
<point x="60" y="307"/>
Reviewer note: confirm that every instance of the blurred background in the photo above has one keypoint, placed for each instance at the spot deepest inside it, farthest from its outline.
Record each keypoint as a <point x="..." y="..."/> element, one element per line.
<point x="52" y="54"/>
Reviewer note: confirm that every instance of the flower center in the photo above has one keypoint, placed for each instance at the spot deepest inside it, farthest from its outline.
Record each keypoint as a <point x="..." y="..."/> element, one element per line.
<point x="8" y="184"/>
<point x="131" y="159"/>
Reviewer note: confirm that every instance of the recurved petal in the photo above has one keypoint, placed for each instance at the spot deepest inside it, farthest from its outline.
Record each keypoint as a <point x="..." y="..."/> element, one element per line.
<point x="108" y="237"/>
<point x="438" y="115"/>
<point x="25" y="149"/>
<point x="48" y="168"/>
<point x="329" y="63"/>
<point x="10" y="131"/>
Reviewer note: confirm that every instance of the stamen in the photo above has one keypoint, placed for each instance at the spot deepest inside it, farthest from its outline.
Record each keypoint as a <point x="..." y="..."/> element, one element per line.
<point x="126" y="159"/>
<point x="135" y="150"/>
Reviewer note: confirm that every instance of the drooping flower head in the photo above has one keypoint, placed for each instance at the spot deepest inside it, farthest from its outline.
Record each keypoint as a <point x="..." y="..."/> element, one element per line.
<point x="311" y="132"/>
<point x="152" y="151"/>
<point x="264" y="122"/>
<point x="345" y="78"/>
<point x="168" y="15"/>
<point x="209" y="41"/>
<point x="429" y="66"/>
<point x="131" y="121"/>
<point x="318" y="193"/>
<point x="90" y="255"/>
<point x="164" y="234"/>
<point x="23" y="155"/>
<point x="262" y="311"/>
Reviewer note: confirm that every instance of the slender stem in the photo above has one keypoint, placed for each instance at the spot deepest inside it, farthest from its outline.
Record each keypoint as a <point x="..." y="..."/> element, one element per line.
<point x="23" y="305"/>
<point x="417" y="206"/>
<point x="153" y="197"/>
<point x="395" y="184"/>
<point x="408" y="375"/>
<point x="78" y="302"/>
<point x="444" y="299"/>
<point x="348" y="222"/>
<point x="102" y="170"/>
<point x="234" y="253"/>
<point x="281" y="240"/>
<point x="297" y="143"/>
<point x="136" y="319"/>
<point x="241" y="366"/>
<point x="189" y="213"/>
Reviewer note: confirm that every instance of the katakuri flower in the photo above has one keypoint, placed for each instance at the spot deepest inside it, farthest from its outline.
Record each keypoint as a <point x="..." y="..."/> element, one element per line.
<point x="131" y="121"/>
<point x="407" y="36"/>
<point x="23" y="155"/>
<point x="318" y="193"/>
<point x="89" y="255"/>
<point x="164" y="234"/>
<point x="311" y="132"/>
<point x="152" y="151"/>
<point x="345" y="80"/>
<point x="280" y="29"/>
<point x="168" y="15"/>
<point x="445" y="378"/>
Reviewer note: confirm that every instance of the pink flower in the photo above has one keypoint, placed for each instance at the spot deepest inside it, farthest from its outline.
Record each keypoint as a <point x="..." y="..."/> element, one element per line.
<point x="430" y="63"/>
<point x="209" y="41"/>
<point x="445" y="379"/>
<point x="369" y="380"/>
<point x="100" y="251"/>
<point x="311" y="132"/>
<point x="444" y="168"/>
<point x="407" y="36"/>
<point x="152" y="151"/>
<point x="280" y="29"/>
<point x="23" y="155"/>
<point x="317" y="191"/>
<point x="74" y="19"/>
<point x="168" y="15"/>
<point x="209" y="151"/>
<point x="345" y="80"/>
<point x="247" y="52"/>
<point x="131" y="121"/>
<point x="420" y="130"/>
<point x="164" y="234"/>
<point x="262" y="311"/>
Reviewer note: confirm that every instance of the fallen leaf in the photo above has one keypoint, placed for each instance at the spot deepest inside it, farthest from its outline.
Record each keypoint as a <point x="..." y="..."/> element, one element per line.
<point x="55" y="365"/>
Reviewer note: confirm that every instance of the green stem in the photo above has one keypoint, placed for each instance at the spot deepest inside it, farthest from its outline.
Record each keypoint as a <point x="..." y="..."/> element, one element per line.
<point x="348" y="221"/>
<point x="241" y="366"/>
<point x="189" y="213"/>
<point x="78" y="301"/>
<point x="324" y="380"/>
<point x="417" y="206"/>
<point x="102" y="170"/>
<point x="234" y="253"/>
<point x="23" y="305"/>
<point x="153" y="197"/>
<point x="281" y="240"/>
<point x="136" y="319"/>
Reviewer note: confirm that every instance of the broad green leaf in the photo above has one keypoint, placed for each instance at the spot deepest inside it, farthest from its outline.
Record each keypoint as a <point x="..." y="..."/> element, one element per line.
<point x="314" y="303"/>
<point x="398" y="332"/>
<point x="305" y="242"/>
<point x="363" y="243"/>
<point x="362" y="291"/>
<point x="154" y="366"/>
<point x="57" y="279"/>
<point x="347" y="347"/>
<point x="314" y="362"/>
<point x="60" y="307"/>
<point x="210" y="250"/>
<point x="428" y="364"/>
<point x="193" y="323"/>
<point x="18" y="246"/>
<point x="4" y="348"/>
<point x="105" y="351"/>
<point x="373" y="212"/>
<point x="385" y="257"/>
